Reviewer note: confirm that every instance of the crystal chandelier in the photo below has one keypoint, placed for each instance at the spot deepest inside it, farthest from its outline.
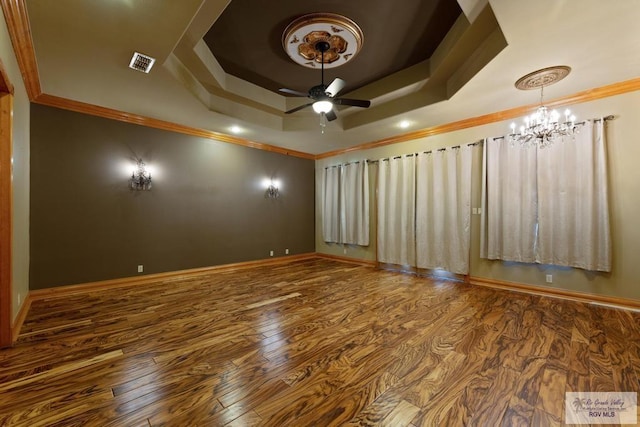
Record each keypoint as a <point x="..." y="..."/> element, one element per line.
<point x="543" y="127"/>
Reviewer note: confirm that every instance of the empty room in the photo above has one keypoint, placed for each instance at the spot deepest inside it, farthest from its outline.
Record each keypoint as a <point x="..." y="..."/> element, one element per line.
<point x="319" y="213"/>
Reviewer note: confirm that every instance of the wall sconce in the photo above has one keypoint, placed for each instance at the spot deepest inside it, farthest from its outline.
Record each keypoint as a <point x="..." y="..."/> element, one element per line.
<point x="273" y="191"/>
<point x="140" y="177"/>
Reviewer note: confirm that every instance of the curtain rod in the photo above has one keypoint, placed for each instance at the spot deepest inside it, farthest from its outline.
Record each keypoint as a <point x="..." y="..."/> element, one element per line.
<point x="424" y="152"/>
<point x="605" y="118"/>
<point x="345" y="164"/>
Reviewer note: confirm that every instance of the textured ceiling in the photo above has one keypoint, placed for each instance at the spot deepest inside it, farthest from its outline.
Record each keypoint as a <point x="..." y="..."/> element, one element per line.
<point x="397" y="35"/>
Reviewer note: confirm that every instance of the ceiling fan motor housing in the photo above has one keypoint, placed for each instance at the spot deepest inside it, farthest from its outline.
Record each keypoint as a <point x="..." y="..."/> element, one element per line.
<point x="318" y="92"/>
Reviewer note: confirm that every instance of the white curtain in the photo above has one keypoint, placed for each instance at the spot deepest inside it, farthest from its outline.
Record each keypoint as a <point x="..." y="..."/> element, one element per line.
<point x="331" y="205"/>
<point x="509" y="218"/>
<point x="354" y="204"/>
<point x="396" y="210"/>
<point x="573" y="211"/>
<point x="548" y="205"/>
<point x="443" y="209"/>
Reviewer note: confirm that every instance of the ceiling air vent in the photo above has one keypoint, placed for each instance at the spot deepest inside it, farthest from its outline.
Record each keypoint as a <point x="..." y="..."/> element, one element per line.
<point x="141" y="62"/>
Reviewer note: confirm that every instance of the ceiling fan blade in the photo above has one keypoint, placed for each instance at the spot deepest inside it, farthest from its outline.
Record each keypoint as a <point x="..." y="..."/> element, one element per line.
<point x="335" y="87"/>
<point x="293" y="92"/>
<point x="331" y="115"/>
<point x="353" y="102"/>
<point x="293" y="110"/>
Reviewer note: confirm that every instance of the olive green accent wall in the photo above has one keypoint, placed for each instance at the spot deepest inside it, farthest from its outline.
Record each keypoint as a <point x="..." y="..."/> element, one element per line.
<point x="623" y="152"/>
<point x="207" y="205"/>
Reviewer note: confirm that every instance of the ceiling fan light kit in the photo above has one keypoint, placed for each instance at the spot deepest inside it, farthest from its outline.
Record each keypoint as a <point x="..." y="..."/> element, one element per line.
<point x="328" y="39"/>
<point x="322" y="106"/>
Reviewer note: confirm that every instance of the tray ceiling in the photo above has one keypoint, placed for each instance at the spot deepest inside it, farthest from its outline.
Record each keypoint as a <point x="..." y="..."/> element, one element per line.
<point x="253" y="50"/>
<point x="428" y="62"/>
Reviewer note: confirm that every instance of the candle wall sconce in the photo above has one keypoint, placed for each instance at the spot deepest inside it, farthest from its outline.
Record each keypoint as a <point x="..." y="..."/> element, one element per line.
<point x="273" y="192"/>
<point x="140" y="177"/>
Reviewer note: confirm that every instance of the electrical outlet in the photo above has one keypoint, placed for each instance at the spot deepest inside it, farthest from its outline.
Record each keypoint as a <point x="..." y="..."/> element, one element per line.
<point x="270" y="253"/>
<point x="140" y="268"/>
<point x="286" y="251"/>
<point x="549" y="278"/>
<point x="474" y="211"/>
<point x="344" y="251"/>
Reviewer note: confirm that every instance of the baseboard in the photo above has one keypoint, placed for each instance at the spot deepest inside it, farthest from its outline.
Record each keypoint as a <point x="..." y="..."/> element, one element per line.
<point x="19" y="320"/>
<point x="626" y="303"/>
<point x="424" y="272"/>
<point x="363" y="262"/>
<point x="60" y="291"/>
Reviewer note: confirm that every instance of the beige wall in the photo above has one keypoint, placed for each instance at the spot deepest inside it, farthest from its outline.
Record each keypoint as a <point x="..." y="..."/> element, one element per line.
<point x="20" y="172"/>
<point x="624" y="184"/>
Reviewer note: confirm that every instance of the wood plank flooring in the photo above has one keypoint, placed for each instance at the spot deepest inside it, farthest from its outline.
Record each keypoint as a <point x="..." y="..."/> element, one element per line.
<point x="311" y="343"/>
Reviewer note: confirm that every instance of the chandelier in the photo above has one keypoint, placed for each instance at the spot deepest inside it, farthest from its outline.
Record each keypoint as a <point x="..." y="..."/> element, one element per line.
<point x="543" y="127"/>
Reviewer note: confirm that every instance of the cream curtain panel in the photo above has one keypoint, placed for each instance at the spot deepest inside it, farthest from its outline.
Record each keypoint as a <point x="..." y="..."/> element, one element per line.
<point x="549" y="205"/>
<point x="443" y="209"/>
<point x="424" y="209"/>
<point x="396" y="211"/>
<point x="345" y="204"/>
<point x="510" y="199"/>
<point x="354" y="204"/>
<point x="573" y="201"/>
<point x="331" y="205"/>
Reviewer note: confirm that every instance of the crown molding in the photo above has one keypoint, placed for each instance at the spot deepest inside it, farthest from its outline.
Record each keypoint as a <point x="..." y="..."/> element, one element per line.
<point x="580" y="97"/>
<point x="17" y="18"/>
<point x="109" y="113"/>
<point x="15" y="12"/>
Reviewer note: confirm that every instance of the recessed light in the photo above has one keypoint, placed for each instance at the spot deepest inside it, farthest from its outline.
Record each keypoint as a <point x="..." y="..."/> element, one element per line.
<point x="235" y="129"/>
<point x="404" y="124"/>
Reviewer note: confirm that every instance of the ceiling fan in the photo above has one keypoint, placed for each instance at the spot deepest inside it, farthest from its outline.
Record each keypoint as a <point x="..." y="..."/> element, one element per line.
<point x="324" y="97"/>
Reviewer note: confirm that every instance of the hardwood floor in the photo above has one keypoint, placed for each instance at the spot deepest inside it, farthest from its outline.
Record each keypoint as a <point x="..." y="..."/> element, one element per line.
<point x="312" y="343"/>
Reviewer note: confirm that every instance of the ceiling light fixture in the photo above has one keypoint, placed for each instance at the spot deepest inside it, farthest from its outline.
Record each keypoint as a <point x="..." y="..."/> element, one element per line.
<point x="404" y="124"/>
<point x="543" y="127"/>
<point x="322" y="107"/>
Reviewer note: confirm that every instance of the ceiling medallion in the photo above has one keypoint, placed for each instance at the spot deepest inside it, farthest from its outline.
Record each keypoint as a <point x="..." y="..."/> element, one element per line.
<point x="544" y="77"/>
<point x="302" y="38"/>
